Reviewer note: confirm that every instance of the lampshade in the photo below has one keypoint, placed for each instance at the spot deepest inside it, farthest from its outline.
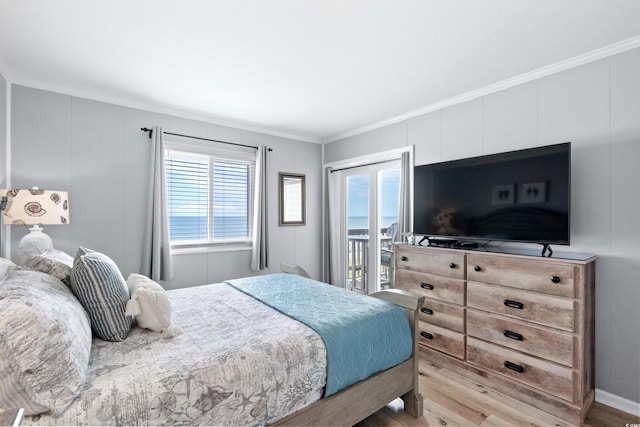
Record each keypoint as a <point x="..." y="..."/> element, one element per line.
<point x="34" y="207"/>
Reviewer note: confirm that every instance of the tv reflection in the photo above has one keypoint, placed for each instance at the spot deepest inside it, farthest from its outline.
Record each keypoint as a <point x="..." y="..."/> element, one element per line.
<point x="447" y="222"/>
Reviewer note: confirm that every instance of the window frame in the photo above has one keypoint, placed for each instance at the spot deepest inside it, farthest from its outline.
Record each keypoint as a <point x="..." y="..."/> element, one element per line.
<point x="214" y="152"/>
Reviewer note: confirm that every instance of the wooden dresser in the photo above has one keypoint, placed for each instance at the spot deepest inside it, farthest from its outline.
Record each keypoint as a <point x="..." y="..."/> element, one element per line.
<point x="523" y="325"/>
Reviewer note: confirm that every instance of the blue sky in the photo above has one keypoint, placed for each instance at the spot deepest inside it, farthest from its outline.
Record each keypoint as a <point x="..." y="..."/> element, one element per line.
<point x="358" y="191"/>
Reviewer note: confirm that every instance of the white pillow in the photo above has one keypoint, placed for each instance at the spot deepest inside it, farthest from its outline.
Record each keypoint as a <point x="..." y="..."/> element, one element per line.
<point x="149" y="303"/>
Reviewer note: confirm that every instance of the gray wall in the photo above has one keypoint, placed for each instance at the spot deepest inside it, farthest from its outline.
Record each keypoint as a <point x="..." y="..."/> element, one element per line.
<point x="597" y="107"/>
<point x="97" y="152"/>
<point x="4" y="108"/>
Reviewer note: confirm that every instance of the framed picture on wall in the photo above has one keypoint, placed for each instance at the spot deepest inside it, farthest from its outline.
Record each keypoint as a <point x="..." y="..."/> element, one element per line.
<point x="292" y="199"/>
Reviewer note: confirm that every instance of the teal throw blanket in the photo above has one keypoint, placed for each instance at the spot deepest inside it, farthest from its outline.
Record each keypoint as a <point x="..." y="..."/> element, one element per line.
<point x="363" y="335"/>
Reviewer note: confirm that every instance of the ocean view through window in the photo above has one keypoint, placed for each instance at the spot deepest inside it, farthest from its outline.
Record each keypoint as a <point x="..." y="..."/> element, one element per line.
<point x="209" y="198"/>
<point x="358" y="200"/>
<point x="362" y="222"/>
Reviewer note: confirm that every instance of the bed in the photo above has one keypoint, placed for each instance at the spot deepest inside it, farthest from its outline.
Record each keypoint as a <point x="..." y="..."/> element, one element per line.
<point x="232" y="356"/>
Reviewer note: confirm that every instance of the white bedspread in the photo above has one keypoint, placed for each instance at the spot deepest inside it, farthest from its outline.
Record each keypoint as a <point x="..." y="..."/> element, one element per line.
<point x="237" y="362"/>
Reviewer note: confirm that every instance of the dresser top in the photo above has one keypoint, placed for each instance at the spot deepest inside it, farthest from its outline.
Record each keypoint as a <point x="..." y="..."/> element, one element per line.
<point x="529" y="252"/>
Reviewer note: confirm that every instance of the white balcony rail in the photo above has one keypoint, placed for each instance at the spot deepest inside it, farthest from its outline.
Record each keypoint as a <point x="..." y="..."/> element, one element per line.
<point x="357" y="261"/>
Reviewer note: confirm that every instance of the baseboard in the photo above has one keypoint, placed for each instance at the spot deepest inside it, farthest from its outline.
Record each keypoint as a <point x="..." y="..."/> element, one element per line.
<point x="618" y="402"/>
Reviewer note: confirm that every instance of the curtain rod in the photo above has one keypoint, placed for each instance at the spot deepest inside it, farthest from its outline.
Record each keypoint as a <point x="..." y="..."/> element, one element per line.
<point x="364" y="165"/>
<point x="145" y="129"/>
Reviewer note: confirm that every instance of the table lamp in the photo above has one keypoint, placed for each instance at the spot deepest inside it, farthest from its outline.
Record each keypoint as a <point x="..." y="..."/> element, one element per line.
<point x="35" y="207"/>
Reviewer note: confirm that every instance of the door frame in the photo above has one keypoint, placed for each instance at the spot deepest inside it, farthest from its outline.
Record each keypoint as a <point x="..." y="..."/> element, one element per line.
<point x="383" y="156"/>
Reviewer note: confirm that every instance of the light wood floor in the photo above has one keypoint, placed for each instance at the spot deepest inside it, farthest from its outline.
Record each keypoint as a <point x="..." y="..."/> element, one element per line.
<point x="452" y="400"/>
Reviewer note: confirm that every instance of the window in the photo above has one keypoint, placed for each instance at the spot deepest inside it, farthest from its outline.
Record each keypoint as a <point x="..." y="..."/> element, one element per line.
<point x="209" y="195"/>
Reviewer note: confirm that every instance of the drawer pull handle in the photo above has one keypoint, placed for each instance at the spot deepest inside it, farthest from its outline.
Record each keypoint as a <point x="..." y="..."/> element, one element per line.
<point x="513" y="304"/>
<point x="452" y="265"/>
<point x="477" y="268"/>
<point x="428" y="286"/>
<point x="426" y="310"/>
<point x="555" y="279"/>
<point x="513" y="335"/>
<point x="427" y="335"/>
<point x="404" y="258"/>
<point x="513" y="366"/>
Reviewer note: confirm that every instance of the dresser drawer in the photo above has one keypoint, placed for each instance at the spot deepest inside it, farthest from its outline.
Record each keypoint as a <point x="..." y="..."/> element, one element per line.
<point x="538" y="308"/>
<point x="445" y="315"/>
<point x="546" y="277"/>
<point x="442" y="339"/>
<point x="546" y="343"/>
<point x="431" y="285"/>
<point x="448" y="264"/>
<point x="549" y="377"/>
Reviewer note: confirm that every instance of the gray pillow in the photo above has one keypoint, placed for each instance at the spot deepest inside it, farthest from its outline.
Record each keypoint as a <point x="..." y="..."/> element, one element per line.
<point x="5" y="266"/>
<point x="45" y="342"/>
<point x="54" y="262"/>
<point x="100" y="287"/>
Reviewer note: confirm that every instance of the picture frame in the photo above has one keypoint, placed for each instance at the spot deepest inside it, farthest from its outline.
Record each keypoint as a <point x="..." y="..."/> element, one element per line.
<point x="292" y="195"/>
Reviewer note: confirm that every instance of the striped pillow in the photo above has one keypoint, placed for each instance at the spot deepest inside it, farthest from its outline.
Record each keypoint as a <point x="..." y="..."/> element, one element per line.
<point x="100" y="287"/>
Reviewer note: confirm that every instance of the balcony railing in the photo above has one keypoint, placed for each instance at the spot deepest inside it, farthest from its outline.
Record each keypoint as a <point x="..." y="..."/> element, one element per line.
<point x="357" y="261"/>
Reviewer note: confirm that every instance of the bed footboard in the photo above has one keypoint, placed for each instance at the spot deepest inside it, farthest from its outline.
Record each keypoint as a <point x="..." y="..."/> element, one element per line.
<point x="362" y="399"/>
<point x="411" y="303"/>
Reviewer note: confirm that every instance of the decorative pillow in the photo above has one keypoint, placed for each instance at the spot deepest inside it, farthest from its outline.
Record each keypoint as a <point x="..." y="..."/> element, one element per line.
<point x="100" y="287"/>
<point x="5" y="266"/>
<point x="149" y="303"/>
<point x="54" y="262"/>
<point x="45" y="342"/>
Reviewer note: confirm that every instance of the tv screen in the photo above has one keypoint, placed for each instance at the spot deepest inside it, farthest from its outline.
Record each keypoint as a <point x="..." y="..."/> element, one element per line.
<point x="519" y="196"/>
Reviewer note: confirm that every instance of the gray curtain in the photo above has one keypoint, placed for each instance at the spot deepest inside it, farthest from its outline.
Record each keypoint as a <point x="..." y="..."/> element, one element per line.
<point x="326" y="227"/>
<point x="156" y="253"/>
<point x="335" y="273"/>
<point x="259" y="249"/>
<point x="404" y="211"/>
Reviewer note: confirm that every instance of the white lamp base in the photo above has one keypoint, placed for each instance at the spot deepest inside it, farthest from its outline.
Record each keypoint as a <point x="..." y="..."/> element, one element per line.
<point x="34" y="243"/>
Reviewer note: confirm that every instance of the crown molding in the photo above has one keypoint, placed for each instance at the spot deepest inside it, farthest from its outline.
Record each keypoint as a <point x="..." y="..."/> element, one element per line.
<point x="576" y="61"/>
<point x="601" y="53"/>
<point x="160" y="110"/>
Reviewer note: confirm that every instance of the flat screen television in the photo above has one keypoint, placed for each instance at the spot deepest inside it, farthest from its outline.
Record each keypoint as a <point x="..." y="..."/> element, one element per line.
<point x="518" y="196"/>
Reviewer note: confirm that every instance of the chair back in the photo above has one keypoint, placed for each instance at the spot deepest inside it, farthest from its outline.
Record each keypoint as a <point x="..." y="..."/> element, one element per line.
<point x="392" y="232"/>
<point x="293" y="269"/>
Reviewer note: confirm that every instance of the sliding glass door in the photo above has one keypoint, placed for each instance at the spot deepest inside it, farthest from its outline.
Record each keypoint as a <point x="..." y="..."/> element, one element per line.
<point x="371" y="195"/>
<point x="357" y="220"/>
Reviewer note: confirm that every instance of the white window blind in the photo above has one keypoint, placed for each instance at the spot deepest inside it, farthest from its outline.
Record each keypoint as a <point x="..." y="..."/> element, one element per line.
<point x="231" y="190"/>
<point x="209" y="196"/>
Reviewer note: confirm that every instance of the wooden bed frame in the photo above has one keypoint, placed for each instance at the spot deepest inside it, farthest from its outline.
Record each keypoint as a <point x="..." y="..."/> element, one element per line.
<point x="362" y="399"/>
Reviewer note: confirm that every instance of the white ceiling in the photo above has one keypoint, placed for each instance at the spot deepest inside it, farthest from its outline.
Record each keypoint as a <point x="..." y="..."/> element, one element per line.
<point x="310" y="69"/>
